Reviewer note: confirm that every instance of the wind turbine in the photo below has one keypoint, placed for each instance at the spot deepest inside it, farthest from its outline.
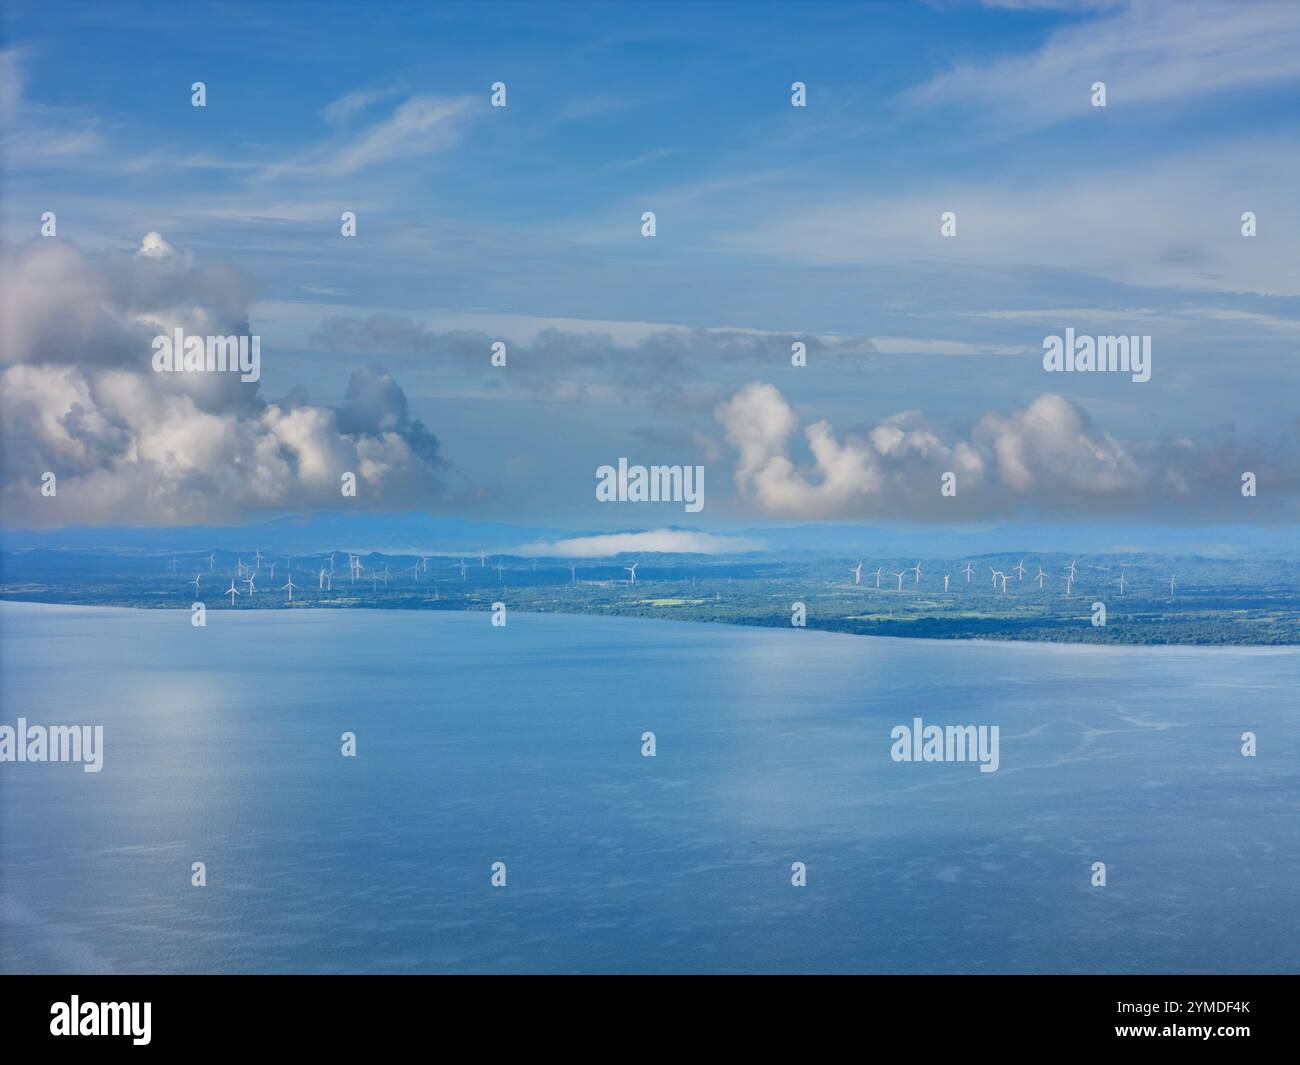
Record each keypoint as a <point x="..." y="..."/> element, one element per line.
<point x="500" y="568"/>
<point x="385" y="574"/>
<point x="290" y="586"/>
<point x="1005" y="577"/>
<point x="1040" y="577"/>
<point x="374" y="577"/>
<point x="857" y="573"/>
<point x="1020" y="569"/>
<point x="996" y="574"/>
<point x="239" y="568"/>
<point x="212" y="558"/>
<point x="257" y="557"/>
<point x="1072" y="561"/>
<point x="195" y="582"/>
<point x="917" y="570"/>
<point x="482" y="558"/>
<point x="945" y="582"/>
<point x="879" y="570"/>
<point x="249" y="581"/>
<point x="415" y="570"/>
<point x="323" y="578"/>
<point x="462" y="569"/>
<point x="632" y="570"/>
<point x="332" y="554"/>
<point x="272" y="569"/>
<point x="900" y="577"/>
<point x="573" y="572"/>
<point x="1121" y="582"/>
<point x="968" y="571"/>
<point x="1171" y="584"/>
<point x="232" y="591"/>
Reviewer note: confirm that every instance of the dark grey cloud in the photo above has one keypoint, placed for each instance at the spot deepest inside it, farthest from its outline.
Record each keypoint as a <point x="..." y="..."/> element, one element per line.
<point x="669" y="369"/>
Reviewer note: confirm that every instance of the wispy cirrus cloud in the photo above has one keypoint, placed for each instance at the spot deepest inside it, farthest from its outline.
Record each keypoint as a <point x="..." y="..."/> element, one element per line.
<point x="1147" y="53"/>
<point x="1174" y="222"/>
<point x="33" y="134"/>
<point x="418" y="126"/>
<point x="349" y="105"/>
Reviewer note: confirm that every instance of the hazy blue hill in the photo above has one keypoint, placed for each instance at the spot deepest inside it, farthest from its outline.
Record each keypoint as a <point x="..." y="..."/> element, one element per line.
<point x="418" y="532"/>
<point x="303" y="534"/>
<point x="958" y="541"/>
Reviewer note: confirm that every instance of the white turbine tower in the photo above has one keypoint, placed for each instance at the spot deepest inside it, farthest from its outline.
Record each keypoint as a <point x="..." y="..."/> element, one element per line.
<point x="289" y="587"/>
<point x="1120" y="582"/>
<point x="1072" y="561"/>
<point x="212" y="559"/>
<point x="232" y="591"/>
<point x="1040" y="577"/>
<point x="632" y="570"/>
<point x="917" y="570"/>
<point x="945" y="582"/>
<point x="1020" y="569"/>
<point x="968" y="571"/>
<point x="249" y="581"/>
<point x="271" y="567"/>
<point x="482" y="558"/>
<point x="1172" y="583"/>
<point x="1069" y="586"/>
<point x="257" y="557"/>
<point x="879" y="571"/>
<point x="1005" y="577"/>
<point x="462" y="569"/>
<point x="857" y="573"/>
<point x="323" y="575"/>
<point x="900" y="577"/>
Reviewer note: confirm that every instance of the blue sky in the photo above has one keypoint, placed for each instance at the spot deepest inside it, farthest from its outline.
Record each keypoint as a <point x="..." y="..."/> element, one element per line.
<point x="478" y="223"/>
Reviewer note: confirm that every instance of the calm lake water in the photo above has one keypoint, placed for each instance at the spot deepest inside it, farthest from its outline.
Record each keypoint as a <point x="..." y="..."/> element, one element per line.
<point x="523" y="745"/>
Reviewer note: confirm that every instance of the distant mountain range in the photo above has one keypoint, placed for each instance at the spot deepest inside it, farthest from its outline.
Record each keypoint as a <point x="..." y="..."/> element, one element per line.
<point x="416" y="532"/>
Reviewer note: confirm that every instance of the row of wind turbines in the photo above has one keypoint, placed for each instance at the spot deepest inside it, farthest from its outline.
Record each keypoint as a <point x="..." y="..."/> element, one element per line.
<point x="248" y="573"/>
<point x="997" y="576"/>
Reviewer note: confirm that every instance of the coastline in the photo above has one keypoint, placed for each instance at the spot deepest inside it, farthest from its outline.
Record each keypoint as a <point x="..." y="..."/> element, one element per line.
<point x="1095" y="645"/>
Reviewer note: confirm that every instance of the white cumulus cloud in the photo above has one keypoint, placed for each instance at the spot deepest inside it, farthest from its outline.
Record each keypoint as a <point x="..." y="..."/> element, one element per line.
<point x="655" y="541"/>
